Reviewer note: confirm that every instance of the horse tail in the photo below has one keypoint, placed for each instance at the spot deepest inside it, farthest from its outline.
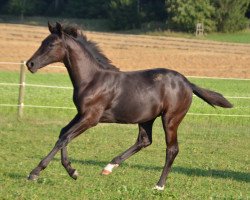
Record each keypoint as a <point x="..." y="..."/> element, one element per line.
<point x="211" y="97"/>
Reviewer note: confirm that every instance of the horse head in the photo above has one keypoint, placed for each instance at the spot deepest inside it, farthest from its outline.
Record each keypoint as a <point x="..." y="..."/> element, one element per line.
<point x="51" y="50"/>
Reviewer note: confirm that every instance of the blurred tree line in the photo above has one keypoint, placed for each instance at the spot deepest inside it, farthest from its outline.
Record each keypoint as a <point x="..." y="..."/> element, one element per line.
<point x="178" y="15"/>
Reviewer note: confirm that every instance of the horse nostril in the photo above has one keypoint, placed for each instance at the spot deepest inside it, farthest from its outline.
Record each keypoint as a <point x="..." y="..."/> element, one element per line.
<point x="32" y="64"/>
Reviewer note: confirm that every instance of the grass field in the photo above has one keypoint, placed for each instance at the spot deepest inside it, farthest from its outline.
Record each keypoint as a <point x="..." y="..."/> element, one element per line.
<point x="239" y="37"/>
<point x="213" y="162"/>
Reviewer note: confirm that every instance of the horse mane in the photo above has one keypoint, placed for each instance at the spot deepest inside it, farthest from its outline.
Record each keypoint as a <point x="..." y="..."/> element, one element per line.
<point x="92" y="48"/>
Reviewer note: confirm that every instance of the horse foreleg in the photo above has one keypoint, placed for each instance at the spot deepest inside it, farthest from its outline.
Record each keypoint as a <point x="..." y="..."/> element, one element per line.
<point x="67" y="164"/>
<point x="144" y="139"/>
<point x="64" y="154"/>
<point x="76" y="129"/>
<point x="44" y="162"/>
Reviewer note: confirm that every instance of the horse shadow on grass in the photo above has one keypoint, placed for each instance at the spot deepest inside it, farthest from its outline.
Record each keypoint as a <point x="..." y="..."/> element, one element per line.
<point x="214" y="173"/>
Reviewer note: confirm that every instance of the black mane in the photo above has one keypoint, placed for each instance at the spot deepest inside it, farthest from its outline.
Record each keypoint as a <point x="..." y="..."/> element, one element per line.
<point x="92" y="48"/>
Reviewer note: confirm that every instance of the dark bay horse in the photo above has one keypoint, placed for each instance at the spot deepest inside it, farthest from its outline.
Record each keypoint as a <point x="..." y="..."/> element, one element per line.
<point x="102" y="93"/>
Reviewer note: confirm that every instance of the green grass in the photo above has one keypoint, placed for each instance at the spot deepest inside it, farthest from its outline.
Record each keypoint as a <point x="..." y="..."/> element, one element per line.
<point x="213" y="162"/>
<point x="239" y="37"/>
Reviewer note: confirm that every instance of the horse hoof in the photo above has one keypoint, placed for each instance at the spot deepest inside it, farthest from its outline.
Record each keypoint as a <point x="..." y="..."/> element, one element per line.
<point x="106" y="172"/>
<point x="108" y="169"/>
<point x="159" y="188"/>
<point x="75" y="175"/>
<point x="32" y="177"/>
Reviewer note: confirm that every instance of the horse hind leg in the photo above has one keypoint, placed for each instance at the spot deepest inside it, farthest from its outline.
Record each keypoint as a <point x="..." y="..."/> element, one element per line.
<point x="170" y="126"/>
<point x="144" y="139"/>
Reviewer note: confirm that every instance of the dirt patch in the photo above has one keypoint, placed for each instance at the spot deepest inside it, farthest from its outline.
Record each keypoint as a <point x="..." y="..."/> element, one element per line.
<point x="133" y="52"/>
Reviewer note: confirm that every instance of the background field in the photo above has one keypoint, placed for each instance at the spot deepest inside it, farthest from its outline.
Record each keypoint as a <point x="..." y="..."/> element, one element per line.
<point x="213" y="162"/>
<point x="130" y="52"/>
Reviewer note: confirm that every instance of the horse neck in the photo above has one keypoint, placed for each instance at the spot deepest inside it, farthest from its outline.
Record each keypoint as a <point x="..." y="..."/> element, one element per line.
<point x="80" y="66"/>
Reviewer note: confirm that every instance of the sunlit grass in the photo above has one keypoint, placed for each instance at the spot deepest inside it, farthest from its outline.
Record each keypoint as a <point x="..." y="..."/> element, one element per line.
<point x="238" y="37"/>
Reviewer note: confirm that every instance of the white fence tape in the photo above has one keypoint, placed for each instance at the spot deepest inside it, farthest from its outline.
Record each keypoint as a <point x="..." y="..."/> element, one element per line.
<point x="71" y="88"/>
<point x="37" y="106"/>
<point x="72" y="108"/>
<point x="232" y="97"/>
<point x="219" y="78"/>
<point x="219" y="115"/>
<point x="36" y="85"/>
<point x="19" y="63"/>
<point x="10" y="63"/>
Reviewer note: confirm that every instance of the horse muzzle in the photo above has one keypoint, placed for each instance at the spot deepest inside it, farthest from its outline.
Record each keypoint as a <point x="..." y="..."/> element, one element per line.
<point x="31" y="66"/>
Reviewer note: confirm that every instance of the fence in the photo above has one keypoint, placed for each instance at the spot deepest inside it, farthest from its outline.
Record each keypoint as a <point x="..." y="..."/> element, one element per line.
<point x="22" y="85"/>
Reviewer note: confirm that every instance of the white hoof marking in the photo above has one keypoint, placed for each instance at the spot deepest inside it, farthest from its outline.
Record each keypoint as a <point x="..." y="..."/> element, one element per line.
<point x="159" y="188"/>
<point x="110" y="167"/>
<point x="75" y="173"/>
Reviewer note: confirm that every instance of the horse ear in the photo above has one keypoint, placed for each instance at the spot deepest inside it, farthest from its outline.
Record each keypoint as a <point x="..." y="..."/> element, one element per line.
<point x="50" y="27"/>
<point x="59" y="28"/>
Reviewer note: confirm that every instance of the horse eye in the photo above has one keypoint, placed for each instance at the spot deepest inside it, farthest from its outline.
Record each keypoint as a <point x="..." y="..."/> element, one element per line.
<point x="51" y="45"/>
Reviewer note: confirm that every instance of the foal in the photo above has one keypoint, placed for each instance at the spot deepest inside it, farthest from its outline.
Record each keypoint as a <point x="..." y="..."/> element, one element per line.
<point x="102" y="93"/>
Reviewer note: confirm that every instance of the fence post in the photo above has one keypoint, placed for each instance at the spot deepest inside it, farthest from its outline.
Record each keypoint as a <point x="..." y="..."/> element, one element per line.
<point x="21" y="90"/>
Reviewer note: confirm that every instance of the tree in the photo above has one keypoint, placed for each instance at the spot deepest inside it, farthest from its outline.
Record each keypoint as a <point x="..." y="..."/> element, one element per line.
<point x="54" y="7"/>
<point x="22" y="7"/>
<point x="153" y="10"/>
<point x="248" y="12"/>
<point x="124" y="14"/>
<point x="230" y="14"/>
<point x="86" y="9"/>
<point x="3" y="4"/>
<point x="18" y="7"/>
<point x="184" y="15"/>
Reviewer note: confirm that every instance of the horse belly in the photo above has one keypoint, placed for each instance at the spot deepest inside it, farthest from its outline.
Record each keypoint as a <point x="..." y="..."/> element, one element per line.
<point x="132" y="112"/>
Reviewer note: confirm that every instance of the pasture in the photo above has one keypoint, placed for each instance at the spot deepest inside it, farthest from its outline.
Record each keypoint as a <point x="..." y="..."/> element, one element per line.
<point x="240" y="37"/>
<point x="213" y="162"/>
